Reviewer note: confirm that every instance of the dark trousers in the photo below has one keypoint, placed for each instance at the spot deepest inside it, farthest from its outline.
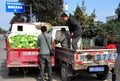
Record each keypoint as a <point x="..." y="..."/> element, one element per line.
<point x="45" y="60"/>
<point x="75" y="41"/>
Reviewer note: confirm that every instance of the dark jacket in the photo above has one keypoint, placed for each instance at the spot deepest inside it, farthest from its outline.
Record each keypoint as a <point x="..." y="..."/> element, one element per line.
<point x="74" y="27"/>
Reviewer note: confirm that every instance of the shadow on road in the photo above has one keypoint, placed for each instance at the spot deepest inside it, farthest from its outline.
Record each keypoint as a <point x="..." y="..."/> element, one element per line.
<point x="78" y="77"/>
<point x="31" y="72"/>
<point x="31" y="75"/>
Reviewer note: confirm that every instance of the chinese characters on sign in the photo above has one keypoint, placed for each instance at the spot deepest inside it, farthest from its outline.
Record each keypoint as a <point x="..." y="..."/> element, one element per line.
<point x="15" y="7"/>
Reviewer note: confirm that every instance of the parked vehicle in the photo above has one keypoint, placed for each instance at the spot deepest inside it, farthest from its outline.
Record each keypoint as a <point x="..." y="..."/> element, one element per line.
<point x="90" y="59"/>
<point x="22" y="56"/>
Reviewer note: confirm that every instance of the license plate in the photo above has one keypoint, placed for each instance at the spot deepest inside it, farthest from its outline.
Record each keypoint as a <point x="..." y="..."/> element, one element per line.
<point x="29" y="53"/>
<point x="99" y="57"/>
<point x="96" y="69"/>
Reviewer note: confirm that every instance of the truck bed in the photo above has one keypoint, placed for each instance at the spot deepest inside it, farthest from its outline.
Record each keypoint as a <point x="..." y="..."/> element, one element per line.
<point x="81" y="59"/>
<point x="23" y="57"/>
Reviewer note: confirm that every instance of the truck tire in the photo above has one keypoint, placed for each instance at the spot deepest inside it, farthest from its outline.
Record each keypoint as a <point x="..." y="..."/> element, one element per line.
<point x="103" y="75"/>
<point x="11" y="71"/>
<point x="64" y="73"/>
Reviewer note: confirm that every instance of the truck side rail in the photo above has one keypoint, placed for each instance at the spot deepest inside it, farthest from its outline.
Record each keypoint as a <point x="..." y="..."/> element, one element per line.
<point x="96" y="50"/>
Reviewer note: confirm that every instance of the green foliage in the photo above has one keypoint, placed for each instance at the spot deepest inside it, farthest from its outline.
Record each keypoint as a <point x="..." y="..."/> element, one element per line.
<point x="117" y="11"/>
<point x="50" y="11"/>
<point x="91" y="27"/>
<point x="87" y="22"/>
<point x="42" y="10"/>
<point x="1" y="30"/>
<point x="16" y="18"/>
<point x="111" y="27"/>
<point x="79" y="15"/>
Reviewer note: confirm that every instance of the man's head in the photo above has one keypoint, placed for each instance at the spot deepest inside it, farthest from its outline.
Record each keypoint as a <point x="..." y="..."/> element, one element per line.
<point x="43" y="28"/>
<point x="63" y="30"/>
<point x="64" y="17"/>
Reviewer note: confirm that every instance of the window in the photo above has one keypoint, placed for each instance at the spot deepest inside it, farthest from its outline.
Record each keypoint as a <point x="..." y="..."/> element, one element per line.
<point x="19" y="28"/>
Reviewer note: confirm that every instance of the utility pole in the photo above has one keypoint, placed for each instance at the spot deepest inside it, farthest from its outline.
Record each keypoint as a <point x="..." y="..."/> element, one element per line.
<point x="30" y="12"/>
<point x="66" y="8"/>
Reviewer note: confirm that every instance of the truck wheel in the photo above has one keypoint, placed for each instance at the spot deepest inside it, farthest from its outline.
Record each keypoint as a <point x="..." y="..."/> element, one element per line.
<point x="104" y="75"/>
<point x="64" y="73"/>
<point x="11" y="71"/>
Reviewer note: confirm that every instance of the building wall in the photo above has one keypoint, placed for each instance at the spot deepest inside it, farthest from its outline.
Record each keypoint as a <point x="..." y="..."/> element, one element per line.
<point x="108" y="18"/>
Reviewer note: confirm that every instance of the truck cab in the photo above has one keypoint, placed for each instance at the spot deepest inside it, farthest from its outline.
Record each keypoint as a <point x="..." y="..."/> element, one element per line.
<point x="55" y="31"/>
<point x="27" y="28"/>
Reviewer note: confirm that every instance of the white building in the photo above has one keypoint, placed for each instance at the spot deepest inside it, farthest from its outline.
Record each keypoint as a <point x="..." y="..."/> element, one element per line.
<point x="108" y="18"/>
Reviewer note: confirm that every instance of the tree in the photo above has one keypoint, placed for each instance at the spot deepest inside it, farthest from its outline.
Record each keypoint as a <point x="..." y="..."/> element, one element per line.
<point x="1" y="30"/>
<point x="117" y="11"/>
<point x="43" y="10"/>
<point x="113" y="26"/>
<point x="79" y="15"/>
<point x="92" y="18"/>
<point x="87" y="22"/>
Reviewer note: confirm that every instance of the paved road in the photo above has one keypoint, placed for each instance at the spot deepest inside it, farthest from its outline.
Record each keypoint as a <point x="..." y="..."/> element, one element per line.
<point x="32" y="74"/>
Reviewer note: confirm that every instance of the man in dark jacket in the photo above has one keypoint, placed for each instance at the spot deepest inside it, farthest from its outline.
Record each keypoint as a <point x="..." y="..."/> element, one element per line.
<point x="44" y="54"/>
<point x="75" y="29"/>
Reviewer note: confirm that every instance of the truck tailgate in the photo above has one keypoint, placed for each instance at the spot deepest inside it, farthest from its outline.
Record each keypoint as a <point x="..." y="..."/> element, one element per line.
<point x="23" y="57"/>
<point x="95" y="57"/>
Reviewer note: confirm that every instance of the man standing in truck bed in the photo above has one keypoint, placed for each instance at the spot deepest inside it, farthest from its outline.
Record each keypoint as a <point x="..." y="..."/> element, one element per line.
<point x="75" y="29"/>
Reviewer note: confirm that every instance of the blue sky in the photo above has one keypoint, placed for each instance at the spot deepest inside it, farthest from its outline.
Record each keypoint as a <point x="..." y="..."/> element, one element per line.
<point x="5" y="17"/>
<point x="103" y="9"/>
